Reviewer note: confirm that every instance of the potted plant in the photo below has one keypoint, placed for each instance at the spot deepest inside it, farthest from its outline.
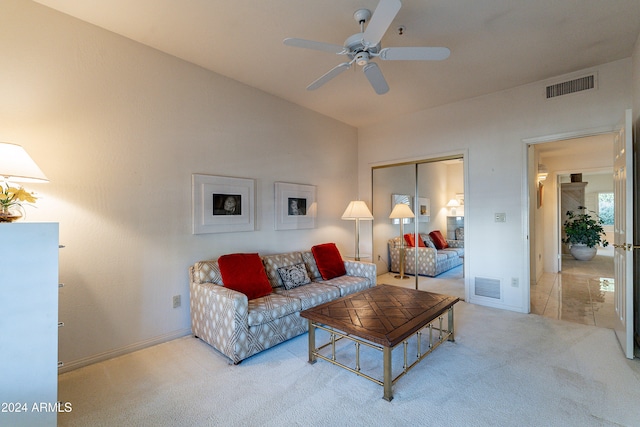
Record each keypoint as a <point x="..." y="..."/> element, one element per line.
<point x="583" y="231"/>
<point x="11" y="200"/>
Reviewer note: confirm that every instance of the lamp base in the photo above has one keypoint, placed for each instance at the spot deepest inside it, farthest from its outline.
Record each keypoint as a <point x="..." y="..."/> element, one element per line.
<point x="400" y="276"/>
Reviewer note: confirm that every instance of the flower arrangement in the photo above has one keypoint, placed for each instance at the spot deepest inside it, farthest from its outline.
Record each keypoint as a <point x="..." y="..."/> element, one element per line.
<point x="585" y="228"/>
<point x="11" y="200"/>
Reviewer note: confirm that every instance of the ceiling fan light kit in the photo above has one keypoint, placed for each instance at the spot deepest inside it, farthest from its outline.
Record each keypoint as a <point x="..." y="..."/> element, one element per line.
<point x="362" y="47"/>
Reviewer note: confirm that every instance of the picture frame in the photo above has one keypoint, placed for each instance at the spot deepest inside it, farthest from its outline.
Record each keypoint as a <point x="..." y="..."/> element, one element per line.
<point x="423" y="209"/>
<point x="540" y="194"/>
<point x="222" y="204"/>
<point x="295" y="206"/>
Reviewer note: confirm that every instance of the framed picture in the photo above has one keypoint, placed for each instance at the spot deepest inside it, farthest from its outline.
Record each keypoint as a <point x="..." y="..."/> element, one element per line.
<point x="295" y="206"/>
<point x="222" y="204"/>
<point x="423" y="209"/>
<point x="540" y="194"/>
<point x="401" y="198"/>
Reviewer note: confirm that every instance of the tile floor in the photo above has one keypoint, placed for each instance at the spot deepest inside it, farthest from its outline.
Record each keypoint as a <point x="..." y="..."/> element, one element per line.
<point x="581" y="293"/>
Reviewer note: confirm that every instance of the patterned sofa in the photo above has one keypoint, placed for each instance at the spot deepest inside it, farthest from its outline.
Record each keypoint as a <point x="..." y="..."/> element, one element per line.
<point x="238" y="327"/>
<point x="431" y="261"/>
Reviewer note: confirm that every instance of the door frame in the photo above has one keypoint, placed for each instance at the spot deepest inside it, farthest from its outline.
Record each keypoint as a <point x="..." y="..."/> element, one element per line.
<point x="528" y="176"/>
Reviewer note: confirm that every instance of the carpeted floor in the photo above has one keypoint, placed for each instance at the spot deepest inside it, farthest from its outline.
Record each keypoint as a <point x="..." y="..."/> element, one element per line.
<point x="504" y="369"/>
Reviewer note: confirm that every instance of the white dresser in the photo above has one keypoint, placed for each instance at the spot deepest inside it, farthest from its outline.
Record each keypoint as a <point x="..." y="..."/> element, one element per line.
<point x="28" y="324"/>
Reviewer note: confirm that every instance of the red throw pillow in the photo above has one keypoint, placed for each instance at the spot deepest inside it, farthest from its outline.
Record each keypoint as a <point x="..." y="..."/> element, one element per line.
<point x="411" y="241"/>
<point x="244" y="273"/>
<point x="329" y="260"/>
<point x="438" y="239"/>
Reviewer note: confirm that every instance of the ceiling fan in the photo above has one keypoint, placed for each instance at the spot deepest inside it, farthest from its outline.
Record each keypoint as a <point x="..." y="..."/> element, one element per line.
<point x="362" y="47"/>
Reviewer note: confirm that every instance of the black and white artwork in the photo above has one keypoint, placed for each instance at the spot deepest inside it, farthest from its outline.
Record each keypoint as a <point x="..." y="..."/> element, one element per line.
<point x="295" y="206"/>
<point x="227" y="204"/>
<point x="222" y="204"/>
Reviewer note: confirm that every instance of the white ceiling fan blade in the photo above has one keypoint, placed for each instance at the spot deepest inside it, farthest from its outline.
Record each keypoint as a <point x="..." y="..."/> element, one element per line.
<point x="309" y="44"/>
<point x="375" y="77"/>
<point x="380" y="21"/>
<point x="329" y="75"/>
<point x="414" y="53"/>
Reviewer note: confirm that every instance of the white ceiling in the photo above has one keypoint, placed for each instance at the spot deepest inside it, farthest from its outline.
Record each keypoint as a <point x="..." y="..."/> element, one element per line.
<point x="495" y="44"/>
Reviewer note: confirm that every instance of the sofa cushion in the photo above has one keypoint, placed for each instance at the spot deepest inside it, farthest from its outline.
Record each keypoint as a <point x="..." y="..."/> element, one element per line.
<point x="349" y="284"/>
<point x="311" y="295"/>
<point x="410" y="240"/>
<point x="438" y="240"/>
<point x="312" y="267"/>
<point x="273" y="262"/>
<point x="329" y="260"/>
<point x="427" y="241"/>
<point x="456" y="251"/>
<point x="294" y="275"/>
<point x="448" y="253"/>
<point x="271" y="307"/>
<point x="441" y="257"/>
<point x="244" y="273"/>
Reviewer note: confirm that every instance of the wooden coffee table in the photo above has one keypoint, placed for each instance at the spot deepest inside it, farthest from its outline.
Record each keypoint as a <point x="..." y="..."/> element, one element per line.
<point x="382" y="317"/>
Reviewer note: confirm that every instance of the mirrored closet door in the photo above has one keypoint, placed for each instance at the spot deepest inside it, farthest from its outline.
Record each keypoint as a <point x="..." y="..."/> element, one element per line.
<point x="410" y="201"/>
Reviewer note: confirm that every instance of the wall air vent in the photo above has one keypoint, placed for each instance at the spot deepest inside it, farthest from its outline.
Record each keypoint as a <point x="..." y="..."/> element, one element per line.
<point x="485" y="287"/>
<point x="571" y="86"/>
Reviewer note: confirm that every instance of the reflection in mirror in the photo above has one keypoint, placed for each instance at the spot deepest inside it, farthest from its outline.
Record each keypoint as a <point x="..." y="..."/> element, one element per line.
<point x="392" y="185"/>
<point x="426" y="187"/>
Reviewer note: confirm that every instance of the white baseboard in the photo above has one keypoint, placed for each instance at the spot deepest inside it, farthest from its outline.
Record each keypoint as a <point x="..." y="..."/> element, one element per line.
<point x="75" y="364"/>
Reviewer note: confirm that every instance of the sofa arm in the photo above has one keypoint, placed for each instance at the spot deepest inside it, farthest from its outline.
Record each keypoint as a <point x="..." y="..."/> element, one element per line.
<point x="455" y="243"/>
<point x="362" y="269"/>
<point x="219" y="316"/>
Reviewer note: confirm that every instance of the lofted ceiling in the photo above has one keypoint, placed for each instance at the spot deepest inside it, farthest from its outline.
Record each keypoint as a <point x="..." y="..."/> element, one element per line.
<point x="495" y="45"/>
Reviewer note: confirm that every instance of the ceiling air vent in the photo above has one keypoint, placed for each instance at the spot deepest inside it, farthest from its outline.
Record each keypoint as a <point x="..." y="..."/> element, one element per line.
<point x="571" y="86"/>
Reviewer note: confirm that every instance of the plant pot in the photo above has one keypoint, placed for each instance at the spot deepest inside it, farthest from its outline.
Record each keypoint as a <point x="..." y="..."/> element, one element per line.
<point x="8" y="214"/>
<point x="582" y="252"/>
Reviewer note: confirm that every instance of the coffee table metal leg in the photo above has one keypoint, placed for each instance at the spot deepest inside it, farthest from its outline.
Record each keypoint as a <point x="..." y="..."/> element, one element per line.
<point x="312" y="342"/>
<point x="450" y="319"/>
<point x="387" y="380"/>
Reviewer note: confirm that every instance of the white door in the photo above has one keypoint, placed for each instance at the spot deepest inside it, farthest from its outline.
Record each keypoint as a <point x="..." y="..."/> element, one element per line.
<point x="623" y="234"/>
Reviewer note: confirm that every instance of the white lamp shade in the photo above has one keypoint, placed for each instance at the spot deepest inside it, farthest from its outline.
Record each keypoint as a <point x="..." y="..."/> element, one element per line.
<point x="401" y="211"/>
<point x="357" y="209"/>
<point x="17" y="166"/>
<point x="453" y="203"/>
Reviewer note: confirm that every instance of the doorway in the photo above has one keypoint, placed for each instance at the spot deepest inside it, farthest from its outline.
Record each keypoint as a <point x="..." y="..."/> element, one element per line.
<point x="560" y="287"/>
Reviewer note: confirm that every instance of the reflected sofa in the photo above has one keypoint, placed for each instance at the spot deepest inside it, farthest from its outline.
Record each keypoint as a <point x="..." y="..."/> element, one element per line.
<point x="431" y="261"/>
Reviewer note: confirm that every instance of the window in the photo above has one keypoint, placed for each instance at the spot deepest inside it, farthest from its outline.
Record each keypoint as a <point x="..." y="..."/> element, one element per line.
<point x="605" y="207"/>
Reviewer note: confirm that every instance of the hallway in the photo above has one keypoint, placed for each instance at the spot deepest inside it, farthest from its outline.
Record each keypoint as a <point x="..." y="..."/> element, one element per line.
<point x="581" y="293"/>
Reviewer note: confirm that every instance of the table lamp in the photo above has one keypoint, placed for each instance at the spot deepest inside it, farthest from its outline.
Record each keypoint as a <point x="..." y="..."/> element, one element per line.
<point x="453" y="204"/>
<point x="17" y="166"/>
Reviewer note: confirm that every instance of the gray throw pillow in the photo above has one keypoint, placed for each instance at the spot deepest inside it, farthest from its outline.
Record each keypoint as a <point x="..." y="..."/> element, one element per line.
<point x="294" y="276"/>
<point x="427" y="241"/>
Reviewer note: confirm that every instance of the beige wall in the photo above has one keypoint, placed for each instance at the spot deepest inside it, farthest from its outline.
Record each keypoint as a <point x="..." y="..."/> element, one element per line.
<point x="119" y="129"/>
<point x="492" y="130"/>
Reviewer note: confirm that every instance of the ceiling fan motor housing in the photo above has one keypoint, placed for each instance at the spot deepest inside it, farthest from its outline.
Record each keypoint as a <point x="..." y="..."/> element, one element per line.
<point x="355" y="45"/>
